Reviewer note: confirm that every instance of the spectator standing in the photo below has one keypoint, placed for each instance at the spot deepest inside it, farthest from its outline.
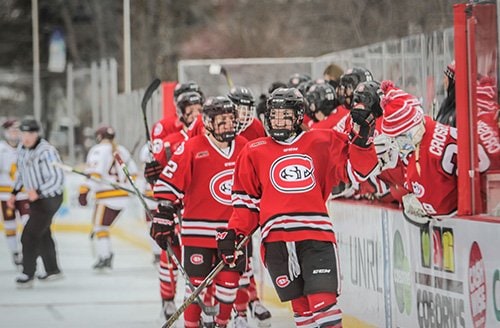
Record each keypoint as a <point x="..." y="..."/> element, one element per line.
<point x="43" y="183"/>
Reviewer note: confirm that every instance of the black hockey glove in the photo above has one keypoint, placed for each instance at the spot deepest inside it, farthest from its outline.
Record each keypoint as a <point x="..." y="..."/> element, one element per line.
<point x="363" y="126"/>
<point x="152" y="171"/>
<point x="163" y="225"/>
<point x="226" y="246"/>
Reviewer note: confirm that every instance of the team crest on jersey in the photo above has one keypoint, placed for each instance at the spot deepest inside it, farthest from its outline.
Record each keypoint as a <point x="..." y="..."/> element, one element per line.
<point x="220" y="186"/>
<point x="196" y="259"/>
<point x="293" y="173"/>
<point x="179" y="149"/>
<point x="282" y="281"/>
<point x="158" y="129"/>
<point x="418" y="189"/>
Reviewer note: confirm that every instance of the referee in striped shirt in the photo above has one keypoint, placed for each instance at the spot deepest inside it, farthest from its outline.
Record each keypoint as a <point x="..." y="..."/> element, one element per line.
<point x="44" y="184"/>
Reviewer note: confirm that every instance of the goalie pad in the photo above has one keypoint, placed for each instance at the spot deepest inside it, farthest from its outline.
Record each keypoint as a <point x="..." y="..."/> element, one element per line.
<point x="414" y="211"/>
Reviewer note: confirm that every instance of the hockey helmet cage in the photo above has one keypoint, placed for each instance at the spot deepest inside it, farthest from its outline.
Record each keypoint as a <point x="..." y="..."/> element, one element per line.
<point x="285" y="98"/>
<point x="214" y="106"/>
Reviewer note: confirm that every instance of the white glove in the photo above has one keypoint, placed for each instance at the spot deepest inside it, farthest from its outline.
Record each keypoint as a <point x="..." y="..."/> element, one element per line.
<point x="414" y="211"/>
<point x="387" y="151"/>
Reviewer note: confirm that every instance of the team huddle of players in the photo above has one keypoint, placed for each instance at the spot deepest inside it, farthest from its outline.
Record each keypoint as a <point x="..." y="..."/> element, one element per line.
<point x="225" y="166"/>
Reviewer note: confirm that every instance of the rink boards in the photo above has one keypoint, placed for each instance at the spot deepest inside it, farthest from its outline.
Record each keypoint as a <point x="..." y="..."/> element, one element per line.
<point x="395" y="274"/>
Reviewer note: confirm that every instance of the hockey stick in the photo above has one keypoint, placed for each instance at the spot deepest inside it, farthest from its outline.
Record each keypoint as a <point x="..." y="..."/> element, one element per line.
<point x="208" y="279"/>
<point x="144" y="103"/>
<point x="216" y="69"/>
<point x="209" y="310"/>
<point x="68" y="168"/>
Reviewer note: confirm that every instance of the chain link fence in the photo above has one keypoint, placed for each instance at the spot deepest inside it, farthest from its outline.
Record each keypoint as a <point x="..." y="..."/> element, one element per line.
<point x="415" y="63"/>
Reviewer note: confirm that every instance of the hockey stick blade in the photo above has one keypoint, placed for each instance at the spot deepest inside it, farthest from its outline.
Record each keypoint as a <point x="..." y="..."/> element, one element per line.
<point x="145" y="99"/>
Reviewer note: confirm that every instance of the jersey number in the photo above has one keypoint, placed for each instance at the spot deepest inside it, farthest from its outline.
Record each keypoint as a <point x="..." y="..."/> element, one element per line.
<point x="169" y="170"/>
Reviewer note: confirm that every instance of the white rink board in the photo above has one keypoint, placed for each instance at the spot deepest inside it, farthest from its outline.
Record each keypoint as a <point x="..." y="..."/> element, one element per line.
<point x="445" y="276"/>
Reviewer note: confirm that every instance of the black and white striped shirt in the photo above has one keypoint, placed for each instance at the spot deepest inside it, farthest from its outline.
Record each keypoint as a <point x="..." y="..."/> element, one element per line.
<point x="36" y="170"/>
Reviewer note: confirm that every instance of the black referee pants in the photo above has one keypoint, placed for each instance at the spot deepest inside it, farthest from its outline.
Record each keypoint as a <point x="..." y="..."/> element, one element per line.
<point x="37" y="237"/>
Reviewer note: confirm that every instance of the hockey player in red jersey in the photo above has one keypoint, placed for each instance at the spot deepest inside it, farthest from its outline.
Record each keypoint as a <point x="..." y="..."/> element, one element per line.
<point x="388" y="185"/>
<point x="248" y="126"/>
<point x="188" y="106"/>
<point x="324" y="108"/>
<point x="429" y="152"/>
<point x="164" y="128"/>
<point x="281" y="183"/>
<point x="200" y="174"/>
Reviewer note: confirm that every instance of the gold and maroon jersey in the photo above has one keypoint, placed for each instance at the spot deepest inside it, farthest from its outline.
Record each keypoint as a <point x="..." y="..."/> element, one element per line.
<point x="283" y="186"/>
<point x="102" y="165"/>
<point x="8" y="171"/>
<point x="200" y="174"/>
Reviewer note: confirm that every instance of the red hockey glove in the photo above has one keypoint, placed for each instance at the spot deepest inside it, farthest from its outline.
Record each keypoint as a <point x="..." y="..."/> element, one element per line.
<point x="363" y="126"/>
<point x="163" y="225"/>
<point x="152" y="171"/>
<point x="226" y="246"/>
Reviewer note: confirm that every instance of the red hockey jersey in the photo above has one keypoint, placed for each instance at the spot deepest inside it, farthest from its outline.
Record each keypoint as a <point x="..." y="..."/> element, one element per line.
<point x="196" y="128"/>
<point x="200" y="174"/>
<point x="431" y="172"/>
<point x="332" y="120"/>
<point x="163" y="152"/>
<point x="165" y="126"/>
<point x="254" y="130"/>
<point x="283" y="187"/>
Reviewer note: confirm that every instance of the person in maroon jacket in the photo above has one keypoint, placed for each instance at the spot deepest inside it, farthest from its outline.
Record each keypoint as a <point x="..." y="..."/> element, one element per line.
<point x="281" y="183"/>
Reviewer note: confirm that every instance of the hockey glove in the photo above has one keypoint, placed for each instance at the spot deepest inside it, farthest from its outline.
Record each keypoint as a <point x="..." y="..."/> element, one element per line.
<point x="152" y="171"/>
<point x="363" y="126"/>
<point x="226" y="246"/>
<point x="387" y="152"/>
<point x="414" y="211"/>
<point x="82" y="197"/>
<point x="163" y="225"/>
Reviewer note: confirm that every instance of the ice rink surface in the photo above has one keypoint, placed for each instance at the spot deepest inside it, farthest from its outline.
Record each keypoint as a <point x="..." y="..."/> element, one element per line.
<point x="126" y="297"/>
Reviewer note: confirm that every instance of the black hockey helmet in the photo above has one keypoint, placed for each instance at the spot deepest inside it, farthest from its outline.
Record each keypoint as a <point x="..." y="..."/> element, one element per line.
<point x="184" y="100"/>
<point x="105" y="132"/>
<point x="304" y="87"/>
<point x="244" y="103"/>
<point x="275" y="85"/>
<point x="285" y="98"/>
<point x="322" y="98"/>
<point x="369" y="93"/>
<point x="214" y="106"/>
<point x="296" y="79"/>
<point x="348" y="83"/>
<point x="188" y="86"/>
<point x="241" y="96"/>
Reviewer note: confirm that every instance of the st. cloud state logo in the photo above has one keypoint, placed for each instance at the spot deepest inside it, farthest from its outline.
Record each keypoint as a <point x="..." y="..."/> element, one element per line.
<point x="220" y="186"/>
<point x="293" y="173"/>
